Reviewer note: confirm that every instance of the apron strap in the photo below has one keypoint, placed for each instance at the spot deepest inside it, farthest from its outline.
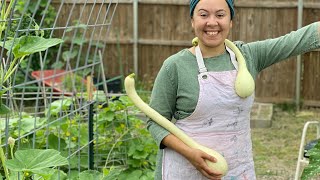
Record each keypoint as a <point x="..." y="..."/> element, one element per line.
<point x="202" y="67"/>
<point x="233" y="57"/>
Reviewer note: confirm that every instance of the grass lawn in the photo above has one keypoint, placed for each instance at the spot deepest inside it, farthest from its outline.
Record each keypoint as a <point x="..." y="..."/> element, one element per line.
<point x="276" y="149"/>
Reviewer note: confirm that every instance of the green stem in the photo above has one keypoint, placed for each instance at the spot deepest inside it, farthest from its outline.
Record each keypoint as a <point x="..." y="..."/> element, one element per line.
<point x="4" y="15"/>
<point x="113" y="146"/>
<point x="3" y="160"/>
<point x="11" y="151"/>
<point x="12" y="68"/>
<point x="8" y="9"/>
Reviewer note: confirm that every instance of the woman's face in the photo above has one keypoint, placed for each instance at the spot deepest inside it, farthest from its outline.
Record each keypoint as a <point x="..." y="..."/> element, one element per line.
<point x="212" y="22"/>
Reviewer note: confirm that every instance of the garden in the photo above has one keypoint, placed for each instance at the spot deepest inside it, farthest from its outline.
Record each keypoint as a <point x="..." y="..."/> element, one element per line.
<point x="61" y="118"/>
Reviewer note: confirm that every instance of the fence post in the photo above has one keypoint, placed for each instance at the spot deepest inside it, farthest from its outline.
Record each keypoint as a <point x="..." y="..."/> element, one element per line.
<point x="298" y="73"/>
<point x="135" y="36"/>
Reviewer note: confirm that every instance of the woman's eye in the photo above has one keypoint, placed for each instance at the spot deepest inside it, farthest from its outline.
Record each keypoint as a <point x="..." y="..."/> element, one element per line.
<point x="203" y="15"/>
<point x="220" y="15"/>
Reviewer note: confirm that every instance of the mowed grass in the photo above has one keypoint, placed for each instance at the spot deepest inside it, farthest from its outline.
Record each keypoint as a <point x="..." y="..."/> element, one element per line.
<point x="276" y="149"/>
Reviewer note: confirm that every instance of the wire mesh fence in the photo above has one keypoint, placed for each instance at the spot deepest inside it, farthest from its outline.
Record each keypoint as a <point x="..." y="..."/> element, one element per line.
<point x="55" y="108"/>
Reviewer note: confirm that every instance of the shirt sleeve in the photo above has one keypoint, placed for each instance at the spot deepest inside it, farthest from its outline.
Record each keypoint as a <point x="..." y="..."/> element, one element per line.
<point x="267" y="52"/>
<point x="163" y="98"/>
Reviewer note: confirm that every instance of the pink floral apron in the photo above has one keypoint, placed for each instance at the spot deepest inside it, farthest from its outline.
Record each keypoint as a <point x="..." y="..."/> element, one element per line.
<point x="221" y="121"/>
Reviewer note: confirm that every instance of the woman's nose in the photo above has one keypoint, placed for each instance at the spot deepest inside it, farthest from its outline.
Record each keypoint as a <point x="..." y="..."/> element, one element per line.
<point x="212" y="21"/>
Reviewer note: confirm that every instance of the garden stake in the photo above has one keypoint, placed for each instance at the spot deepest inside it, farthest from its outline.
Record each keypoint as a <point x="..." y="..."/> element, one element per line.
<point x="91" y="145"/>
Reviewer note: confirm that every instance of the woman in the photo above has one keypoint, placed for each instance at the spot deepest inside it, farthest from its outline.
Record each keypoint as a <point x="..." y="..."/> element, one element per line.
<point x="203" y="101"/>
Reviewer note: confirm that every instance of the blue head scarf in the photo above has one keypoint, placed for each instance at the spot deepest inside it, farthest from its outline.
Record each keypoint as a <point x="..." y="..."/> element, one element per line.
<point x="193" y="4"/>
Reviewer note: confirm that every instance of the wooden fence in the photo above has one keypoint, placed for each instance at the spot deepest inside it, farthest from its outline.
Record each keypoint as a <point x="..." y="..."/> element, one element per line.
<point x="164" y="28"/>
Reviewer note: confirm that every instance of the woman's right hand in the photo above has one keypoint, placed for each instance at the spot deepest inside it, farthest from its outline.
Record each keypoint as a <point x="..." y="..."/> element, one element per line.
<point x="198" y="159"/>
<point x="195" y="156"/>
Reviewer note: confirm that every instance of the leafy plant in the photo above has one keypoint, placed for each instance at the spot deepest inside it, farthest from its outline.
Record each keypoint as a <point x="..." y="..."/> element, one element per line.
<point x="26" y="163"/>
<point x="27" y="20"/>
<point x="128" y="148"/>
<point x="313" y="168"/>
<point x="73" y="82"/>
<point x="19" y="47"/>
<point x="76" y="49"/>
<point x="133" y="151"/>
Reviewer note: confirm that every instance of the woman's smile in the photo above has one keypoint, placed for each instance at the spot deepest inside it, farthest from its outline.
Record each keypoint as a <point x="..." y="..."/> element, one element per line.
<point x="211" y="33"/>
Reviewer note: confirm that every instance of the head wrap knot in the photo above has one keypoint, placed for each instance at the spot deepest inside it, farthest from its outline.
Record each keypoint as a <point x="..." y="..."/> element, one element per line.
<point x="193" y="4"/>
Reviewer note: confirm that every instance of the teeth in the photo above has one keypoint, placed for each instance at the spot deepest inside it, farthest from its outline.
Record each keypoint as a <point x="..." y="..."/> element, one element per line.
<point x="212" y="33"/>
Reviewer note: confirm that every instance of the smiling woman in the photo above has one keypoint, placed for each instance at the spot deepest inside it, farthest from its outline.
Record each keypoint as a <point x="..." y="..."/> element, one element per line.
<point x="211" y="21"/>
<point x="196" y="87"/>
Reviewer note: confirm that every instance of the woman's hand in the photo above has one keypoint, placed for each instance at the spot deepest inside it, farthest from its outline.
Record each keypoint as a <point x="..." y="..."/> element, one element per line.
<point x="195" y="156"/>
<point x="197" y="159"/>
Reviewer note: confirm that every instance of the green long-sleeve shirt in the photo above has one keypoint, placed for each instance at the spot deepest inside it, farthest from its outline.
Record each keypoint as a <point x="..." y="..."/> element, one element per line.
<point x="176" y="89"/>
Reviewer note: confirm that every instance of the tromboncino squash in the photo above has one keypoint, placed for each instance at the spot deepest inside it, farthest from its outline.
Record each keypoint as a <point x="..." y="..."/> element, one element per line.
<point x="244" y="84"/>
<point x="129" y="84"/>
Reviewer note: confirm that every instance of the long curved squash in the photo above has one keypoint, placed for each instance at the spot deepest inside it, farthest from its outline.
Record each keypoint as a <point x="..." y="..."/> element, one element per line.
<point x="129" y="84"/>
<point x="244" y="84"/>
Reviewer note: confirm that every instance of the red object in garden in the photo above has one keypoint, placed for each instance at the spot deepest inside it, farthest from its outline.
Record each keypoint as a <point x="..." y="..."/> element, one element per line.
<point x="54" y="79"/>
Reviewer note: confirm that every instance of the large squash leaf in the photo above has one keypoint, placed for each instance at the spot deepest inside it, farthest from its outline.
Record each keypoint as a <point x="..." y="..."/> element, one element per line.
<point x="31" y="44"/>
<point x="9" y="43"/>
<point x="33" y="160"/>
<point x="26" y="45"/>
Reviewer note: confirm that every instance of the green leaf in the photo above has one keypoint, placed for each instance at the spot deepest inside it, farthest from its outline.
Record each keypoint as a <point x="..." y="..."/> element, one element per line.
<point x="112" y="173"/>
<point x="4" y="109"/>
<point x="79" y="41"/>
<point x="15" y="175"/>
<point x="1" y="93"/>
<point x="59" y="105"/>
<point x="31" y="44"/>
<point x="46" y="172"/>
<point x="313" y="168"/>
<point x="67" y="55"/>
<point x="27" y="124"/>
<point x="9" y="43"/>
<point x="99" y="96"/>
<point x="56" y="143"/>
<point x="57" y="65"/>
<point x="109" y="116"/>
<point x="134" y="175"/>
<point x="35" y="160"/>
<point x="310" y="171"/>
<point x="59" y="175"/>
<point x="90" y="175"/>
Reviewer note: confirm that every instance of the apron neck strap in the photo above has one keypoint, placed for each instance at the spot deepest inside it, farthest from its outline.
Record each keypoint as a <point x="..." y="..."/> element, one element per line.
<point x="232" y="57"/>
<point x="200" y="61"/>
<point x="202" y="67"/>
